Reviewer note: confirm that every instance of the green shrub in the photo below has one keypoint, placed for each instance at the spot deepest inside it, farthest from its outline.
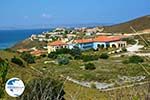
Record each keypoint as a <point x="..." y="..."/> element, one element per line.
<point x="125" y="61"/>
<point x="90" y="66"/>
<point x="43" y="89"/>
<point x="129" y="40"/>
<point x="124" y="49"/>
<point x="3" y="70"/>
<point x="75" y="52"/>
<point x="136" y="59"/>
<point x="122" y="56"/>
<point x="1" y="92"/>
<point x="17" y="61"/>
<point x="87" y="58"/>
<point x="63" y="51"/>
<point x="28" y="57"/>
<point x="104" y="56"/>
<point x="43" y="55"/>
<point x="52" y="55"/>
<point x="63" y="61"/>
<point x="77" y="57"/>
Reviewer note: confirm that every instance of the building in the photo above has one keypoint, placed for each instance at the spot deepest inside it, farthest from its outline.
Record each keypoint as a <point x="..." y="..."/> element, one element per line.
<point x="84" y="44"/>
<point x="92" y="43"/>
<point x="109" y="41"/>
<point x="53" y="46"/>
<point x="38" y="52"/>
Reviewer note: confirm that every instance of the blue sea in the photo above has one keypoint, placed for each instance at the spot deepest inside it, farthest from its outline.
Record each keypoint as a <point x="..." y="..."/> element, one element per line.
<point x="8" y="38"/>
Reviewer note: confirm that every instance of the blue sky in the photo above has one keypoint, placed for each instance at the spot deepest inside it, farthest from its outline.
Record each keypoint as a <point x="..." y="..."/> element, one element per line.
<point x="16" y="13"/>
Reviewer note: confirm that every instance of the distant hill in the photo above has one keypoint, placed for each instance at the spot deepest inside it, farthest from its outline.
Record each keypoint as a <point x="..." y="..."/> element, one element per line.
<point x="139" y="24"/>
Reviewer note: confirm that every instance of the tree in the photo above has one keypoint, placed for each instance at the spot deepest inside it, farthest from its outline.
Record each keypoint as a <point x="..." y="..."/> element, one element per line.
<point x="44" y="89"/>
<point x="17" y="61"/>
<point x="28" y="57"/>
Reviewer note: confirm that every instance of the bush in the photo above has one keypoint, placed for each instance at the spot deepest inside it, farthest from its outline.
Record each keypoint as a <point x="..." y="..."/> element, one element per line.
<point x="43" y="89"/>
<point x="52" y="55"/>
<point x="63" y="61"/>
<point x="1" y="92"/>
<point x="136" y="59"/>
<point x="90" y="66"/>
<point x="129" y="40"/>
<point x="87" y="58"/>
<point x="3" y="71"/>
<point x="77" y="57"/>
<point x="125" y="61"/>
<point x="63" y="51"/>
<point x="75" y="52"/>
<point x="28" y="57"/>
<point x="17" y="61"/>
<point x="124" y="49"/>
<point x="43" y="55"/>
<point x="104" y="56"/>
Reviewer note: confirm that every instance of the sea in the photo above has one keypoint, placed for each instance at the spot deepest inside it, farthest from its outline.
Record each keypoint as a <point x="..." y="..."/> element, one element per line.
<point x="8" y="38"/>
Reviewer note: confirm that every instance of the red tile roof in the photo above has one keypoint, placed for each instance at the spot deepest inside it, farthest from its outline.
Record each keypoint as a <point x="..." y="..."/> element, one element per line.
<point x="57" y="43"/>
<point x="107" y="38"/>
<point x="38" y="52"/>
<point x="100" y="39"/>
<point x="96" y="39"/>
<point x="23" y="50"/>
<point x="84" y="41"/>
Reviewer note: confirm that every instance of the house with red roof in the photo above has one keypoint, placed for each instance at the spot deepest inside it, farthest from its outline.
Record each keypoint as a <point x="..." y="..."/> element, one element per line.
<point x="53" y="46"/>
<point x="38" y="52"/>
<point x="101" y="42"/>
<point x="109" y="41"/>
<point x="91" y="43"/>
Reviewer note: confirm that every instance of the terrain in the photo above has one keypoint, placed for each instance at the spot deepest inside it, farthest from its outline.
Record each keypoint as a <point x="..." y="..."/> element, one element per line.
<point x="130" y="80"/>
<point x="139" y="24"/>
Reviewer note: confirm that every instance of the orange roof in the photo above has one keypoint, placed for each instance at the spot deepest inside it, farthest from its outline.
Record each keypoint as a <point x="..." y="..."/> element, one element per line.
<point x="84" y="41"/>
<point x="57" y="43"/>
<point x="107" y="38"/>
<point x="100" y="39"/>
<point x="37" y="52"/>
<point x="23" y="50"/>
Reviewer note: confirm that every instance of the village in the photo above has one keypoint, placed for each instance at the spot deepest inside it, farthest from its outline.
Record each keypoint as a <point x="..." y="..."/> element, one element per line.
<point x="83" y="38"/>
<point x="89" y="57"/>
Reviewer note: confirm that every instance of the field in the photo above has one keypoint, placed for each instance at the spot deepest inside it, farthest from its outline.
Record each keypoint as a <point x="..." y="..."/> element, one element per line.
<point x="106" y="71"/>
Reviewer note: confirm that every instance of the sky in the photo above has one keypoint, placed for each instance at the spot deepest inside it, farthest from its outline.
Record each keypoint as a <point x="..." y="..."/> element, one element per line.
<point x="37" y="13"/>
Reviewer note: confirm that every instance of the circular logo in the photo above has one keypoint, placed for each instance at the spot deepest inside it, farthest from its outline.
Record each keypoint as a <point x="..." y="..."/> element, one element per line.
<point x="14" y="87"/>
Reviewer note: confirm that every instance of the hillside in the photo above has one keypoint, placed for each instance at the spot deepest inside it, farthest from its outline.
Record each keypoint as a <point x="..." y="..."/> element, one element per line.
<point x="28" y="44"/>
<point x="139" y="24"/>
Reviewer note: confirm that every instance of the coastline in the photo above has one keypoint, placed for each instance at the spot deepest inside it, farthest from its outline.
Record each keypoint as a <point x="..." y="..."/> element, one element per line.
<point x="9" y="38"/>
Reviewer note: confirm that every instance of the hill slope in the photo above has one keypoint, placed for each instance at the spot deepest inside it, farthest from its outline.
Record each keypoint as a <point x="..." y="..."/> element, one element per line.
<point x="139" y="24"/>
<point x="28" y="44"/>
